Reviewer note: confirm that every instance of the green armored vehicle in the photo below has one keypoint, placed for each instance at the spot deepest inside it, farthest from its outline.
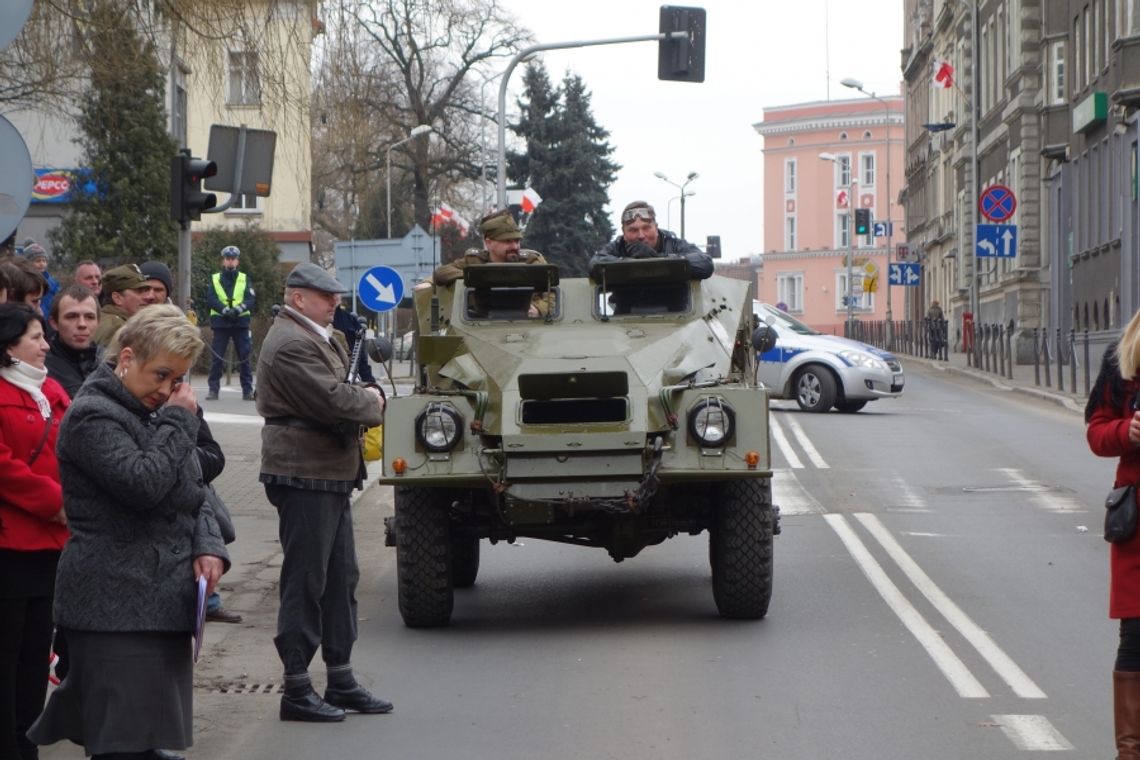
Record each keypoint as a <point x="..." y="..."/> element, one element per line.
<point x="626" y="414"/>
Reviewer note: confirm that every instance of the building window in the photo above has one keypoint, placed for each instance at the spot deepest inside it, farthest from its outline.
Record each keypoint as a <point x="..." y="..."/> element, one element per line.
<point x="790" y="233"/>
<point x="867" y="170"/>
<point x="245" y="88"/>
<point x="1075" y="69"/>
<point x="861" y="301"/>
<point x="790" y="291"/>
<point x="843" y="173"/>
<point x="790" y="176"/>
<point x="247" y="203"/>
<point x="1057" y="73"/>
<point x="843" y="230"/>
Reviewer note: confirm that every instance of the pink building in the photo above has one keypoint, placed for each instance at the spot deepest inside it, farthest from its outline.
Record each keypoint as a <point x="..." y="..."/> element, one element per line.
<point x="808" y="205"/>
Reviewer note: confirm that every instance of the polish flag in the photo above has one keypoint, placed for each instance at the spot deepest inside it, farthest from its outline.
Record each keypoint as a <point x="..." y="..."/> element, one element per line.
<point x="530" y="200"/>
<point x="841" y="199"/>
<point x="943" y="74"/>
<point x="445" y="214"/>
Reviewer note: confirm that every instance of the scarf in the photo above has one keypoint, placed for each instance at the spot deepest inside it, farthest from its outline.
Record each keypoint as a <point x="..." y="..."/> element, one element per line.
<point x="28" y="379"/>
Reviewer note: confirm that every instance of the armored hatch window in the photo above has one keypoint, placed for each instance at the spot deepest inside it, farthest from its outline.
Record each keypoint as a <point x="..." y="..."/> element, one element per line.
<point x="505" y="292"/>
<point x="643" y="287"/>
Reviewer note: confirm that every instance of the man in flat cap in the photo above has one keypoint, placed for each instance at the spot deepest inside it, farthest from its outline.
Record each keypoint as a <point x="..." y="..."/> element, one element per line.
<point x="501" y="245"/>
<point x="311" y="461"/>
<point x="125" y="292"/>
<point x="641" y="238"/>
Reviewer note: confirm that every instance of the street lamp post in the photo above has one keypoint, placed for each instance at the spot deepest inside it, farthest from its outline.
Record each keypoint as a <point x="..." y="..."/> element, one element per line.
<point x="422" y="129"/>
<point x="692" y="176"/>
<point x="849" y="297"/>
<point x="669" y="207"/>
<point x="855" y="84"/>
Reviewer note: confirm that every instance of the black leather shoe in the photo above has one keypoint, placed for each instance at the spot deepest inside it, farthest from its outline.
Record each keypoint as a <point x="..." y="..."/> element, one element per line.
<point x="222" y="615"/>
<point x="163" y="754"/>
<point x="358" y="699"/>
<point x="309" y="708"/>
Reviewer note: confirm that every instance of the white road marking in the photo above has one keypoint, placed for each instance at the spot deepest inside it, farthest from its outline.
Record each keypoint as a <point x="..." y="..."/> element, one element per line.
<point x="1002" y="664"/>
<point x="782" y="443"/>
<point x="907" y="499"/>
<point x="1033" y="733"/>
<point x="1046" y="499"/>
<point x="791" y="497"/>
<point x="805" y="444"/>
<point x="953" y="668"/>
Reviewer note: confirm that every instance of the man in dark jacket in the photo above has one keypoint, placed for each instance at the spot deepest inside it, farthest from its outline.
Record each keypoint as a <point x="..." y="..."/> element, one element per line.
<point x="231" y="300"/>
<point x="641" y="238"/>
<point x="74" y="354"/>
<point x="311" y="461"/>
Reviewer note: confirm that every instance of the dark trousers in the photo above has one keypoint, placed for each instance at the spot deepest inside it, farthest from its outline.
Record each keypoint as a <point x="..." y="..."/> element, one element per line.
<point x="243" y="344"/>
<point x="318" y="577"/>
<point x="25" y="645"/>
<point x="1128" y="651"/>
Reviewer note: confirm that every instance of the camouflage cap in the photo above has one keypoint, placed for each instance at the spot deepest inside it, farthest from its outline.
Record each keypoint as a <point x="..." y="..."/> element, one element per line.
<point x="125" y="277"/>
<point x="500" y="226"/>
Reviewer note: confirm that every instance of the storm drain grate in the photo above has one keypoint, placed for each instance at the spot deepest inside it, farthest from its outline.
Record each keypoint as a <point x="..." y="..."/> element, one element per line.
<point x="241" y="687"/>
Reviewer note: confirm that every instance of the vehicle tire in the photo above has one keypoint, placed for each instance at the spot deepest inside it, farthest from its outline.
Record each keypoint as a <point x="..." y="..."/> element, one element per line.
<point x="815" y="388"/>
<point x="464" y="560"/>
<point x="850" y="407"/>
<point x="423" y="556"/>
<point x="740" y="549"/>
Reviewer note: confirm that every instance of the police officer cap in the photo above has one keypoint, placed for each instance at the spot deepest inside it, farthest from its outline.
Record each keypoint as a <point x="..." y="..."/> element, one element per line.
<point x="231" y="252"/>
<point x="309" y="275"/>
<point x="125" y="277"/>
<point x="500" y="226"/>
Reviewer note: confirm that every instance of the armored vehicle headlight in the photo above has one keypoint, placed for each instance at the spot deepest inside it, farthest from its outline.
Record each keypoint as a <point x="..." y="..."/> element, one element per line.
<point x="439" y="427"/>
<point x="711" y="422"/>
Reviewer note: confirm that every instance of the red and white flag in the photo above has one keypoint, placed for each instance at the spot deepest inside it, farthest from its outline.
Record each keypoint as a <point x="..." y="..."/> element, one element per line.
<point x="530" y="200"/>
<point x="943" y="74"/>
<point x="445" y="214"/>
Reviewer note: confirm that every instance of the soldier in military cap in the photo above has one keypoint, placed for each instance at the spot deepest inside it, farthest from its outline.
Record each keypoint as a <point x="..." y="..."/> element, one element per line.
<point x="125" y="292"/>
<point x="501" y="245"/>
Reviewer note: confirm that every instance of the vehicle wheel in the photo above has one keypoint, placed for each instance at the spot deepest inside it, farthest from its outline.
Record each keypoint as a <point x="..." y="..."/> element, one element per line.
<point x="815" y="389"/>
<point x="464" y="560"/>
<point x="423" y="556"/>
<point x="850" y="407"/>
<point x="740" y="549"/>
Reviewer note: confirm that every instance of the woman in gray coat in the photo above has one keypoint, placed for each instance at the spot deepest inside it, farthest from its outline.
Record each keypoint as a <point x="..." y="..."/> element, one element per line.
<point x="126" y="587"/>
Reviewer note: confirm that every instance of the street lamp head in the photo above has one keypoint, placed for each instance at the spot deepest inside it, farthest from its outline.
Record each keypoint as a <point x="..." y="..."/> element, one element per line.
<point x="692" y="176"/>
<point x="854" y="84"/>
<point x="660" y="175"/>
<point x="828" y="156"/>
<point x="421" y="129"/>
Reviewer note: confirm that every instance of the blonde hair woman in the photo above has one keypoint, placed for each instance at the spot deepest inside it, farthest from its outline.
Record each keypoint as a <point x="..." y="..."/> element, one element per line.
<point x="141" y="536"/>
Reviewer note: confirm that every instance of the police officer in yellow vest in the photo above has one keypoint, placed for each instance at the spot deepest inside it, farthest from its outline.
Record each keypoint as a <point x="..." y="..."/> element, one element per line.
<point x="231" y="300"/>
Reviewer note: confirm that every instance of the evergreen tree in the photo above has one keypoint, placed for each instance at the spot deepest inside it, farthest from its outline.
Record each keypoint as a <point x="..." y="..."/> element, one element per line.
<point x="127" y="150"/>
<point x="567" y="162"/>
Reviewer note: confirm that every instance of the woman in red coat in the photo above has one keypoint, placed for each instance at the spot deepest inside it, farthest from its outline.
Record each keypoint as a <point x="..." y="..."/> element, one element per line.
<point x="1113" y="417"/>
<point x="32" y="525"/>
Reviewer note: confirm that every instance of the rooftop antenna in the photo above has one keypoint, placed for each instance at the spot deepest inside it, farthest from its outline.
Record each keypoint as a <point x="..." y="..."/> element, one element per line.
<point x="827" y="46"/>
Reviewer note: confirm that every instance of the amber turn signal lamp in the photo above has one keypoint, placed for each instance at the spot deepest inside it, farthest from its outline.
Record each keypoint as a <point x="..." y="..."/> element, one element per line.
<point x="399" y="465"/>
<point x="752" y="458"/>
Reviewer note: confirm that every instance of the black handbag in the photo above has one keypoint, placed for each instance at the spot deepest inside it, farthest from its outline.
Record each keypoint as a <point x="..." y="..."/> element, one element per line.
<point x="1120" y="514"/>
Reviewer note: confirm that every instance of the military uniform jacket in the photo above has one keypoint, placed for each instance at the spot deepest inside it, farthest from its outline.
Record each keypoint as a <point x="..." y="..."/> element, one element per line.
<point x="301" y="382"/>
<point x="448" y="273"/>
<point x="111" y="318"/>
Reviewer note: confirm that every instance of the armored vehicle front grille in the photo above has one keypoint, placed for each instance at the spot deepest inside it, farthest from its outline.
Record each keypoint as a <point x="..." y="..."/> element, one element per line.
<point x="561" y="411"/>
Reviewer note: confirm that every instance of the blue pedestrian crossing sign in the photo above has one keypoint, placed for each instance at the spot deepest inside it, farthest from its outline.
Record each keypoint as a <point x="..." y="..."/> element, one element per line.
<point x="381" y="289"/>
<point x="998" y="240"/>
<point x="907" y="274"/>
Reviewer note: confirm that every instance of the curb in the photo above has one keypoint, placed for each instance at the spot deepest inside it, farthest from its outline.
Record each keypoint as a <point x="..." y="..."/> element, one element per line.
<point x="1066" y="401"/>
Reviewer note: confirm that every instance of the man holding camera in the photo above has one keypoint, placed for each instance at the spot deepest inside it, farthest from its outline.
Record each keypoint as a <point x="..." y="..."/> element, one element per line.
<point x="231" y="300"/>
<point x="641" y="238"/>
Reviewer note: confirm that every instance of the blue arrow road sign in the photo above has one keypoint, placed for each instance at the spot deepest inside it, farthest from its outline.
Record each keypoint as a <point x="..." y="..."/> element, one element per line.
<point x="883" y="229"/>
<point x="907" y="274"/>
<point x="998" y="240"/>
<point x="381" y="289"/>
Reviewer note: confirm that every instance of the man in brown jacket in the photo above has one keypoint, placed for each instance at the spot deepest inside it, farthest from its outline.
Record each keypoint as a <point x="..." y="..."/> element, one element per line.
<point x="311" y="461"/>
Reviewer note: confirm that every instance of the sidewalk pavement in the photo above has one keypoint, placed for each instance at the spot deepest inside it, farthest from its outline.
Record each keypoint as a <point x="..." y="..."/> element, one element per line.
<point x="1024" y="378"/>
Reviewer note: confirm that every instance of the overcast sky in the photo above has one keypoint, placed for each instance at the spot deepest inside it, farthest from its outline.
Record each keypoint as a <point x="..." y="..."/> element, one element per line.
<point x="759" y="53"/>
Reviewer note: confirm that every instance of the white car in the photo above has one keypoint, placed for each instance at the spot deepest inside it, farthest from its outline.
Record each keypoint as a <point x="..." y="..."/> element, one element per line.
<point x="822" y="371"/>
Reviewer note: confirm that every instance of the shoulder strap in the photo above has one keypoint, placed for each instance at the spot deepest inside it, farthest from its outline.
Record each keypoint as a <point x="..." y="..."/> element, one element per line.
<point x="40" y="446"/>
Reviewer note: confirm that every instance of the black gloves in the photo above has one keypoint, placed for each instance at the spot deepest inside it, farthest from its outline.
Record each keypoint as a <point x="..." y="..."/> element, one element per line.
<point x="640" y="250"/>
<point x="230" y="312"/>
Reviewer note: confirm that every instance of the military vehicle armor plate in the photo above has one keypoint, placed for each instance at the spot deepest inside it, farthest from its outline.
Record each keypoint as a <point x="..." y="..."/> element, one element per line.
<point x="627" y="415"/>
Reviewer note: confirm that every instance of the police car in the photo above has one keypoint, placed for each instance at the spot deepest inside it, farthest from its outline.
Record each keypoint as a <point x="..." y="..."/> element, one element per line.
<point x="822" y="371"/>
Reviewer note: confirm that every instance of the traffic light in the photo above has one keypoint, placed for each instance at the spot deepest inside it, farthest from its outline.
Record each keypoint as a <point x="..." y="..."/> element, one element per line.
<point x="862" y="221"/>
<point x="712" y="246"/>
<point x="682" y="59"/>
<point x="187" y="201"/>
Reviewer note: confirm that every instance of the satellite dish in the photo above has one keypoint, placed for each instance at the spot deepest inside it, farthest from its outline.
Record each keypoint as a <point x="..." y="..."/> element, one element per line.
<point x="13" y="15"/>
<point x="16" y="178"/>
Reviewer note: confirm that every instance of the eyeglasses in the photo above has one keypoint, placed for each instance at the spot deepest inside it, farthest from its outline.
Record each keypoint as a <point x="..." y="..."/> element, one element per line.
<point x="637" y="212"/>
